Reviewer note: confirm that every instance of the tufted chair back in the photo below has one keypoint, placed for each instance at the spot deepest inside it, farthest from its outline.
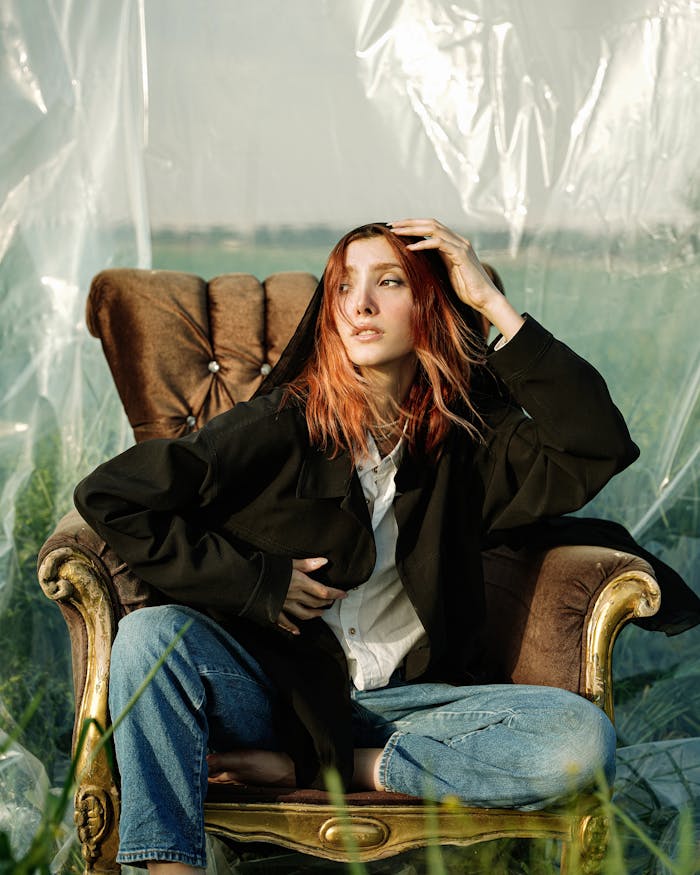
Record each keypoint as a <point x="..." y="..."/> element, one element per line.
<point x="181" y="350"/>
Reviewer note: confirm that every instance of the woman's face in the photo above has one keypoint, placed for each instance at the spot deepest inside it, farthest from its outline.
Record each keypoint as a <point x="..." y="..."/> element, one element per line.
<point x="374" y="310"/>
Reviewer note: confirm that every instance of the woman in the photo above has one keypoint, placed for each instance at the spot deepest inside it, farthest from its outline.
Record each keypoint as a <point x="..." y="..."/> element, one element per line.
<point x="324" y="541"/>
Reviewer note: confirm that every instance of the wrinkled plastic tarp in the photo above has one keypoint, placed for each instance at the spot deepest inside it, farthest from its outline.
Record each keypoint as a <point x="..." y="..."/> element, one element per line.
<point x="560" y="137"/>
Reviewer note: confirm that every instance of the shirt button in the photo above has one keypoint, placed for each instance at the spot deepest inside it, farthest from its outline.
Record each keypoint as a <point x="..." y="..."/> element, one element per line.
<point x="191" y="421"/>
<point x="265" y="368"/>
<point x="352" y="630"/>
<point x="214" y="367"/>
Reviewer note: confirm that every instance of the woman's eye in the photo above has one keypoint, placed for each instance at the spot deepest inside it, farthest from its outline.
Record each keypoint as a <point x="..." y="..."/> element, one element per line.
<point x="391" y="281"/>
<point x="343" y="288"/>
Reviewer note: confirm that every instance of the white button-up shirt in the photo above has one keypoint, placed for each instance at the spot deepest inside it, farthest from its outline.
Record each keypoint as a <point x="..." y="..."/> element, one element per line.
<point x="376" y="624"/>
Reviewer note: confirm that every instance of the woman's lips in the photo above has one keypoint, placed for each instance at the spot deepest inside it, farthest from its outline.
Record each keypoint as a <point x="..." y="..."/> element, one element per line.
<point x="367" y="333"/>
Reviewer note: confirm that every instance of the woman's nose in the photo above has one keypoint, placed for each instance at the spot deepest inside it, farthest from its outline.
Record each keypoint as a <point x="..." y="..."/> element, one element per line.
<point x="364" y="302"/>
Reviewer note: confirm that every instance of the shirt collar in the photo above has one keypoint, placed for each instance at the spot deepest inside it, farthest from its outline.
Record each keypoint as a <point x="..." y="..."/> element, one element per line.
<point x="373" y="459"/>
<point x="325" y="477"/>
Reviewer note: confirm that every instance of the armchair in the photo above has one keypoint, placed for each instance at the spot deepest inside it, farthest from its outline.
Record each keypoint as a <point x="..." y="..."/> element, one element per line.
<point x="182" y="350"/>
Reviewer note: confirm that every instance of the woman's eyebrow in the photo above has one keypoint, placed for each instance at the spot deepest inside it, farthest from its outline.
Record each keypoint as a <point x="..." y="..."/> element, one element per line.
<point x="379" y="265"/>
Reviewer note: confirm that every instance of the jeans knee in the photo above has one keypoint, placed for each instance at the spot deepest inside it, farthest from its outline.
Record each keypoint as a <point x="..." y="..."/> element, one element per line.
<point x="143" y="636"/>
<point x="585" y="755"/>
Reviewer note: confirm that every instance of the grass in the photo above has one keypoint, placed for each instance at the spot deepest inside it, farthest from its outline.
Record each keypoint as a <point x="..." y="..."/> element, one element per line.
<point x="38" y="856"/>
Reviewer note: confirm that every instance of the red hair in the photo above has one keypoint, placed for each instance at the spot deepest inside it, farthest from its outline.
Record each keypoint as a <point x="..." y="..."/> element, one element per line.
<point x="339" y="405"/>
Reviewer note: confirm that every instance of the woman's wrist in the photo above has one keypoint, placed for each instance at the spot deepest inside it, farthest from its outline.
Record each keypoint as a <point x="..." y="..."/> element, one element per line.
<point x="503" y="316"/>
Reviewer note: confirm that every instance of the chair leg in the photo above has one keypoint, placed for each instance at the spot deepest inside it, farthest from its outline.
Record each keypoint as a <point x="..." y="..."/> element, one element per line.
<point x="96" y="822"/>
<point x="584" y="855"/>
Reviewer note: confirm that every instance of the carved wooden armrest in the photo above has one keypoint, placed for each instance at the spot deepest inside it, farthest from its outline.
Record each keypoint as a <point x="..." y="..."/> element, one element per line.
<point x="630" y="593"/>
<point x="72" y="574"/>
<point x="93" y="589"/>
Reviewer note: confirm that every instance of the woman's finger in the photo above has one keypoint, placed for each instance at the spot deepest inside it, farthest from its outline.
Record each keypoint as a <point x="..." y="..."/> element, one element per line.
<point x="285" y="623"/>
<point x="308" y="600"/>
<point x="301" y="586"/>
<point x="417" y="226"/>
<point x="451" y="248"/>
<point x="437" y="236"/>
<point x="309" y="564"/>
<point x="301" y="611"/>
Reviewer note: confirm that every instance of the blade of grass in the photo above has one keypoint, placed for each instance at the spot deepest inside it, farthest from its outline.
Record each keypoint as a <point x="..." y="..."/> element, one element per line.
<point x="433" y="851"/>
<point x="335" y="791"/>
<point x="40" y="852"/>
<point x="639" y="833"/>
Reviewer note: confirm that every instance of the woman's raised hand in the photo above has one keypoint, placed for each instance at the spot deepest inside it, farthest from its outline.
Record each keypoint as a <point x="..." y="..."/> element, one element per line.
<point x="470" y="281"/>
<point x="306" y="597"/>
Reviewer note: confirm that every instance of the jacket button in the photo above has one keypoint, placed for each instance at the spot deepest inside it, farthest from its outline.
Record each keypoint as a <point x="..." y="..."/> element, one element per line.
<point x="214" y="367"/>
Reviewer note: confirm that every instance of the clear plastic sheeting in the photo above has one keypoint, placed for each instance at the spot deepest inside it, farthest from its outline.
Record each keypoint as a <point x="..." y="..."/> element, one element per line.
<point x="72" y="200"/>
<point x="24" y="791"/>
<point x="560" y="137"/>
<point x="23" y="788"/>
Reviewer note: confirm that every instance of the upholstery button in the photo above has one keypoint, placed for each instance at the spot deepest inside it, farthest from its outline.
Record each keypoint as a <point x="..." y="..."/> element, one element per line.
<point x="352" y="630"/>
<point x="265" y="368"/>
<point x="214" y="366"/>
<point x="191" y="421"/>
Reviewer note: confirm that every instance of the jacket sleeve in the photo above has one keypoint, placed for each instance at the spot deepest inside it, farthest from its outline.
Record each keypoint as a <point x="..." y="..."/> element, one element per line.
<point x="152" y="505"/>
<point x="559" y="444"/>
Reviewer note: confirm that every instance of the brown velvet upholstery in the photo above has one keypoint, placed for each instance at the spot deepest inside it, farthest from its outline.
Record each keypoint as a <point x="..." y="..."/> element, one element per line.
<point x="182" y="350"/>
<point x="535" y="622"/>
<point x="552" y="614"/>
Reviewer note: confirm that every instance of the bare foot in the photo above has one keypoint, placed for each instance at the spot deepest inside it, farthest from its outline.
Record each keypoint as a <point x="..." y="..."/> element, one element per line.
<point x="256" y="767"/>
<point x="366" y="773"/>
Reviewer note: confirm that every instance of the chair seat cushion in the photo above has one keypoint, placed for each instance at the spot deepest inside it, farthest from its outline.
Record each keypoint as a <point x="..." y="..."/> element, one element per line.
<point x="239" y="793"/>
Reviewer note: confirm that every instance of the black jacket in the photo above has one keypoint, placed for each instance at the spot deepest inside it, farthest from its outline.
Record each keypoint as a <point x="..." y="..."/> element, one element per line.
<point x="215" y="519"/>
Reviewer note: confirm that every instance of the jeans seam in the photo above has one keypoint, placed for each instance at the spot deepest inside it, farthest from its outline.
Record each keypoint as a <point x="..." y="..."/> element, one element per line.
<point x="241" y="677"/>
<point x="385" y="760"/>
<point x="198" y="772"/>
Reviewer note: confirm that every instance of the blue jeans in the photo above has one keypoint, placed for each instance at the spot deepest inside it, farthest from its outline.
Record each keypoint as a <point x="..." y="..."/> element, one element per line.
<point x="491" y="746"/>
